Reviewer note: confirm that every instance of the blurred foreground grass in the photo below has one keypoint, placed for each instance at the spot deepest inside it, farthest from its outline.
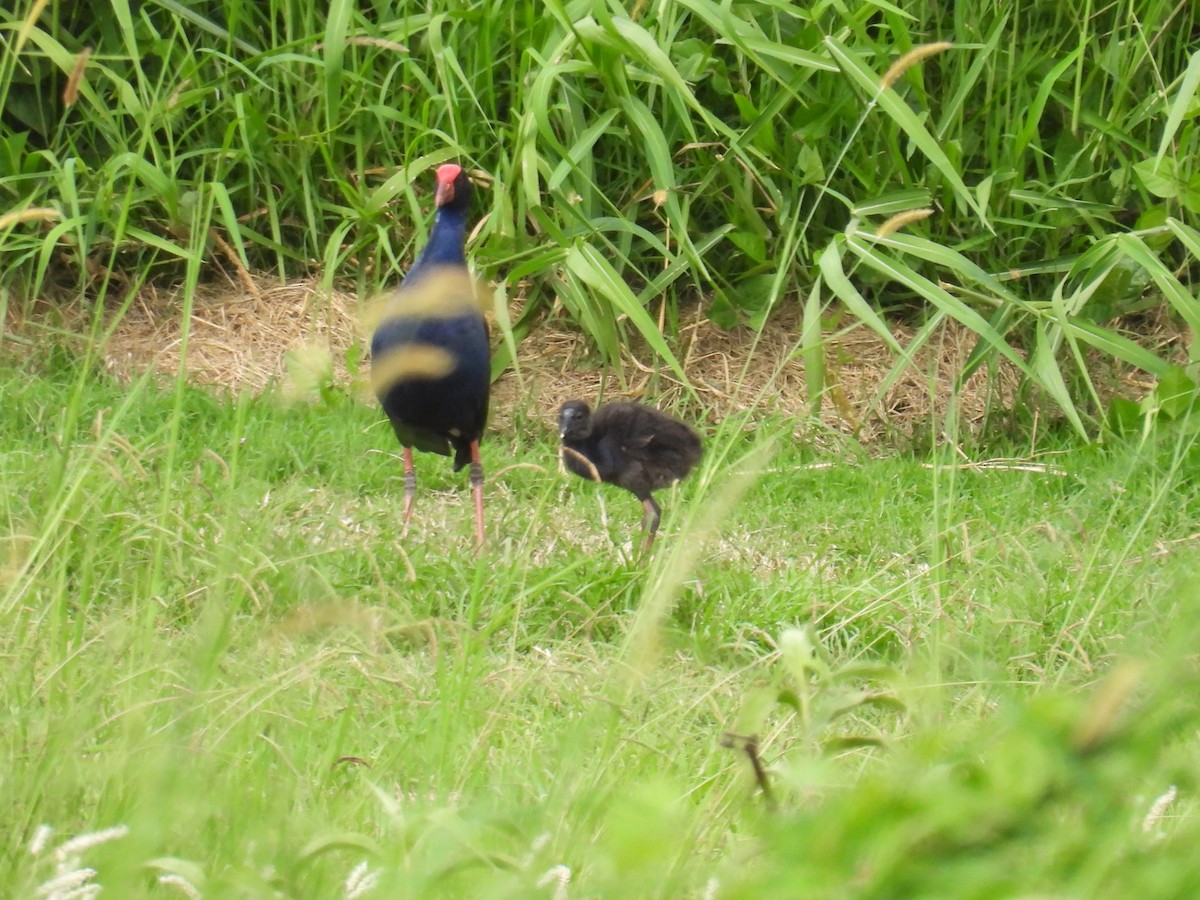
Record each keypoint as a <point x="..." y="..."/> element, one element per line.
<point x="962" y="681"/>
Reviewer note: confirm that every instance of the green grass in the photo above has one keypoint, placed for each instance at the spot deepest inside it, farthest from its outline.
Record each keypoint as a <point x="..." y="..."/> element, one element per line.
<point x="638" y="158"/>
<point x="962" y="681"/>
<point x="212" y="635"/>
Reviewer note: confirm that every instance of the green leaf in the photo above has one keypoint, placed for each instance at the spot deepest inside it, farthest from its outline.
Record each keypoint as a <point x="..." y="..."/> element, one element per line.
<point x="582" y="149"/>
<point x="1175" y="392"/>
<point x="757" y="704"/>
<point x="230" y="220"/>
<point x="158" y="243"/>
<point x="892" y="104"/>
<point x="501" y="360"/>
<point x="850" y="701"/>
<point x="1116" y="345"/>
<point x="946" y="258"/>
<point x="347" y="840"/>
<point x="586" y="263"/>
<point x="938" y="296"/>
<point x="1160" y="177"/>
<point x="895" y="202"/>
<point x="1033" y="115"/>
<point x="1123" y="416"/>
<point x="845" y="743"/>
<point x="830" y="264"/>
<point x="749" y="243"/>
<point x="337" y="23"/>
<point x="185" y="12"/>
<point x="1165" y="178"/>
<point x="812" y="348"/>
<point x="1182" y="300"/>
<point x="678" y="265"/>
<point x="1049" y="376"/>
<point x="401" y="180"/>
<point x="749" y="38"/>
<point x="1180" y="105"/>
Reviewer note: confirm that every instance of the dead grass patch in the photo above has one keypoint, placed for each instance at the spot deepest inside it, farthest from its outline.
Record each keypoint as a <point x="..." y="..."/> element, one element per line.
<point x="238" y="338"/>
<point x="251" y="336"/>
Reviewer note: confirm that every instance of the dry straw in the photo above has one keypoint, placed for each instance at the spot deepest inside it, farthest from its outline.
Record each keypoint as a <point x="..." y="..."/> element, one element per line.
<point x="242" y="273"/>
<point x="238" y="341"/>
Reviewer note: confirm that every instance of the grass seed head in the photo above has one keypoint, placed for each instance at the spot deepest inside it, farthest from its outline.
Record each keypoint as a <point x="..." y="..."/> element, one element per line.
<point x="71" y="91"/>
<point x="1158" y="809"/>
<point x="40" y="838"/>
<point x="70" y="884"/>
<point x="1108" y="703"/>
<point x="899" y="220"/>
<point x="911" y="58"/>
<point x="360" y="882"/>
<point x="560" y="877"/>
<point x="178" y="881"/>
<point x="81" y="843"/>
<point x="29" y="214"/>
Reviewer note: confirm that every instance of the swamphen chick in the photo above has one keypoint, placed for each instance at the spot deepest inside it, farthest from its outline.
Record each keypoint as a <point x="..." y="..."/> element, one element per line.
<point x="631" y="446"/>
<point x="430" y="360"/>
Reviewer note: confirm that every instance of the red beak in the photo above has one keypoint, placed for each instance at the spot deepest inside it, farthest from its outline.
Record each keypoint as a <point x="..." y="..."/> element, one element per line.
<point x="446" y="175"/>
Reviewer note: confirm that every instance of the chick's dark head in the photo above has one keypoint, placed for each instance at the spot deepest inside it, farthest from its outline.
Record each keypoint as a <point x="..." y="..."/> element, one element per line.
<point x="574" y="420"/>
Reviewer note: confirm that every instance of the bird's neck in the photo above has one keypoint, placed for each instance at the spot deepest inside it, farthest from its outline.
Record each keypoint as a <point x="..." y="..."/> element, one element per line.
<point x="578" y="434"/>
<point x="446" y="239"/>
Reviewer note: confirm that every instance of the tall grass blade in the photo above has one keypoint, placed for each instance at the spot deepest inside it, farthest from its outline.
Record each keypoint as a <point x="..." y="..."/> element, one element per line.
<point x="890" y="102"/>
<point x="1184" y="101"/>
<point x="830" y="265"/>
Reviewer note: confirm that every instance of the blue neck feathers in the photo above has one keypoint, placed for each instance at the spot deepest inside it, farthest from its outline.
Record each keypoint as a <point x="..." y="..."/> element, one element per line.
<point x="446" y="240"/>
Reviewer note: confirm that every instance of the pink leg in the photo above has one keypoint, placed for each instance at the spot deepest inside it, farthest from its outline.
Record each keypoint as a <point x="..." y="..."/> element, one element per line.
<point x="410" y="488"/>
<point x="477" y="490"/>
<point x="650" y="521"/>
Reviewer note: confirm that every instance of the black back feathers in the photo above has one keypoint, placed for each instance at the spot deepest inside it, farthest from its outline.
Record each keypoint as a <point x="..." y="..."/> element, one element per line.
<point x="631" y="446"/>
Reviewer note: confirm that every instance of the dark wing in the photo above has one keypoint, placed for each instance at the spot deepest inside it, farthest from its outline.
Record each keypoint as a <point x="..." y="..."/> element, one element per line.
<point x="430" y="363"/>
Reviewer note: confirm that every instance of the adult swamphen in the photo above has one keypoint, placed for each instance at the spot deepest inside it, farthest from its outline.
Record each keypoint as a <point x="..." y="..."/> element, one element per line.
<point x="631" y="446"/>
<point x="430" y="360"/>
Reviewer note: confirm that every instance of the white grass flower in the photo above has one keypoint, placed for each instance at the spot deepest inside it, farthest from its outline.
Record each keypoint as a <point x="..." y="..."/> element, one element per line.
<point x="83" y="892"/>
<point x="41" y="837"/>
<point x="178" y="881"/>
<point x="539" y="844"/>
<point x="560" y="877"/>
<point x="360" y="882"/>
<point x="78" y="844"/>
<point x="1158" y="809"/>
<point x="67" y="884"/>
<point x="710" y="888"/>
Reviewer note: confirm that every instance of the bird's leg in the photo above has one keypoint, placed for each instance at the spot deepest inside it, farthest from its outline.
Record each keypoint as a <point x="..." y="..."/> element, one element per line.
<point x="410" y="488"/>
<point x="650" y="521"/>
<point x="477" y="490"/>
